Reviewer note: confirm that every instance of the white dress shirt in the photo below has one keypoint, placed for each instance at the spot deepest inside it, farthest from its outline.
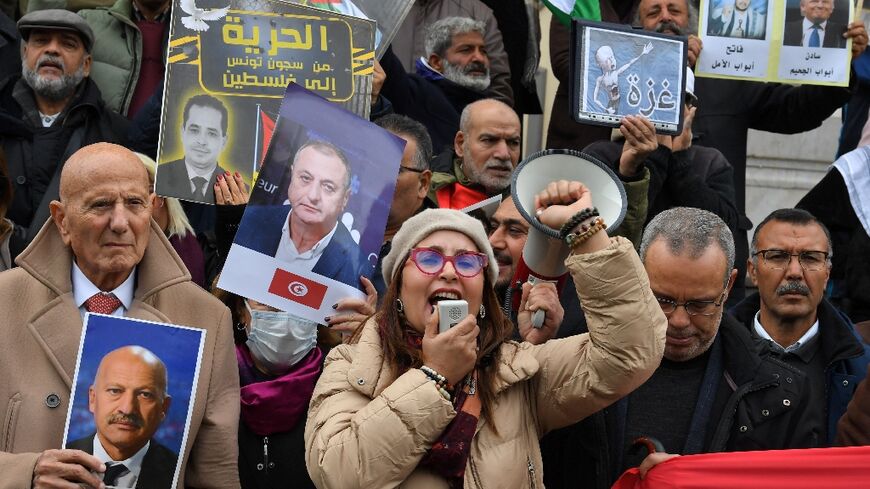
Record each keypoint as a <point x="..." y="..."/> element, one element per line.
<point x="288" y="253"/>
<point x="803" y="340"/>
<point x="193" y="172"/>
<point x="133" y="464"/>
<point x="808" y="31"/>
<point x="84" y="289"/>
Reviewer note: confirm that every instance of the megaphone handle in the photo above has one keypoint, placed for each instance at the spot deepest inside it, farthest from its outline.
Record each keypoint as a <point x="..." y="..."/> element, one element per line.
<point x="538" y="319"/>
<point x="539" y="315"/>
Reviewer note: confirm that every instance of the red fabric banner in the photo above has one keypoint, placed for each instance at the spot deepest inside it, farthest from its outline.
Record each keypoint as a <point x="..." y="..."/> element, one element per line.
<point x="817" y="468"/>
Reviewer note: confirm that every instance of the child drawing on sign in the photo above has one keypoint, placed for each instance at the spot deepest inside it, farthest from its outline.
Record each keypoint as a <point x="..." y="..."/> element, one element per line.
<point x="609" y="79"/>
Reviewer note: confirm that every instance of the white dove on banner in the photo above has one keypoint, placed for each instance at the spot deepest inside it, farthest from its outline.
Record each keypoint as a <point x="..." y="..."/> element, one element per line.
<point x="198" y="16"/>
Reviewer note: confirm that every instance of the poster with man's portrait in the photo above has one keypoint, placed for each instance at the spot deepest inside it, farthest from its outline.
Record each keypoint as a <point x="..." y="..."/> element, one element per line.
<point x="793" y="41"/>
<point x="813" y="46"/>
<point x="617" y="71"/>
<point x="316" y="217"/>
<point x="226" y="73"/>
<point x="133" y="394"/>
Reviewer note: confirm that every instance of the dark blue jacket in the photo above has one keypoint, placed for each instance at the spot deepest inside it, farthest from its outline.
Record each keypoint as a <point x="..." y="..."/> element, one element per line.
<point x="846" y="356"/>
<point x="261" y="231"/>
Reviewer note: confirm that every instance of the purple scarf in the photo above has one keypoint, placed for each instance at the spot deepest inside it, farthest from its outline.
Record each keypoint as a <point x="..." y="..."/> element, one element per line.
<point x="275" y="406"/>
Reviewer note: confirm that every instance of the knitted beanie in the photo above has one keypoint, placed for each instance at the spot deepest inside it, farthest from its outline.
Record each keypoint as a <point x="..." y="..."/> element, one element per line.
<point x="427" y="222"/>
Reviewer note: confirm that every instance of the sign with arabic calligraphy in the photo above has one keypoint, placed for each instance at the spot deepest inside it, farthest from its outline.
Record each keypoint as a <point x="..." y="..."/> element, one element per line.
<point x="764" y="40"/>
<point x="228" y="67"/>
<point x="618" y="71"/>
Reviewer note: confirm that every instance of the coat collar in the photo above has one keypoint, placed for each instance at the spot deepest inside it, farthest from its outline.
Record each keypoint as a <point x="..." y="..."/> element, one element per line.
<point x="370" y="374"/>
<point x="49" y="261"/>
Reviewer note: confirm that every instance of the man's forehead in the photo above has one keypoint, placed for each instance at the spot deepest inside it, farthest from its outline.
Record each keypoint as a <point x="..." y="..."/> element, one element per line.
<point x="781" y="234"/>
<point x="649" y="5"/>
<point x="465" y="38"/>
<point x="64" y="34"/>
<point x="211" y="117"/>
<point x="508" y="211"/>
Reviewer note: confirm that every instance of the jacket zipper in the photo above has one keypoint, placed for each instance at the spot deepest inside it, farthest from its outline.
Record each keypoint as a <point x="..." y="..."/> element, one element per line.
<point x="266" y="464"/>
<point x="531" y="472"/>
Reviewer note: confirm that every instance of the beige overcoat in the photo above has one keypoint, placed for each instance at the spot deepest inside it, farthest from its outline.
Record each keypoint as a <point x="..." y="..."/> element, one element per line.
<point x="368" y="429"/>
<point x="41" y="329"/>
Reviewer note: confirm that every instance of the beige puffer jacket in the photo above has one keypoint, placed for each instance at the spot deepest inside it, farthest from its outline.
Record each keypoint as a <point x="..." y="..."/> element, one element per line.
<point x="368" y="429"/>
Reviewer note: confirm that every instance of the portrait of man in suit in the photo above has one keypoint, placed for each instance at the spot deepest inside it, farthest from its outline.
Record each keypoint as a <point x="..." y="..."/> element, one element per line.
<point x="814" y="29"/>
<point x="203" y="136"/>
<point x="129" y="402"/>
<point x="307" y="233"/>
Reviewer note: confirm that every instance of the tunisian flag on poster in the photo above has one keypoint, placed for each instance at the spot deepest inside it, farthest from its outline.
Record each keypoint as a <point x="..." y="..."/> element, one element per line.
<point x="816" y="468"/>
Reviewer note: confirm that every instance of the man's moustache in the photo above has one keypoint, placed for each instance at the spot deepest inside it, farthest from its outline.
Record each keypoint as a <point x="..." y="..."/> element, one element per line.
<point x="474" y="66"/>
<point x="130" y="419"/>
<point x="49" y="59"/>
<point x="669" y="26"/>
<point x="793" y="288"/>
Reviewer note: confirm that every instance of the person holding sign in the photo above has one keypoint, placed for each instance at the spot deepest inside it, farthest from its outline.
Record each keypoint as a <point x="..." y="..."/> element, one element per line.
<point x="405" y="404"/>
<point x="815" y="30"/>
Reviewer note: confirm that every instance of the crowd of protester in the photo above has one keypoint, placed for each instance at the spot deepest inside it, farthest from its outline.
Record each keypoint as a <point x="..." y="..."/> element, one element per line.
<point x="687" y="324"/>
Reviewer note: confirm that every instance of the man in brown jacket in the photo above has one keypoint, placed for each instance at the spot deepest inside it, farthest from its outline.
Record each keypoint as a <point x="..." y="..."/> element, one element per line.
<point x="102" y="252"/>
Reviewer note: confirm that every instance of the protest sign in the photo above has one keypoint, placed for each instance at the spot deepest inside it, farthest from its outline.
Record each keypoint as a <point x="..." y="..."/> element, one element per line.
<point x="227" y="69"/>
<point x="132" y="399"/>
<point x="617" y="71"/>
<point x="316" y="218"/>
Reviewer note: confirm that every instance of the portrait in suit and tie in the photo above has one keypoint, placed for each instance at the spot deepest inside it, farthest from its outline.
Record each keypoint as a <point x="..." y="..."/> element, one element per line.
<point x="739" y="19"/>
<point x="815" y="28"/>
<point x="203" y="136"/>
<point x="129" y="401"/>
<point x="308" y="233"/>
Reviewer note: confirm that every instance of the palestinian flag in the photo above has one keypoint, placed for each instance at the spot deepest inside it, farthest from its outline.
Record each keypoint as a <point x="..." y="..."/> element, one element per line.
<point x="565" y="10"/>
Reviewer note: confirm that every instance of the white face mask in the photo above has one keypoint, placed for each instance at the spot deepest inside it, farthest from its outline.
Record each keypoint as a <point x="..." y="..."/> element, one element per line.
<point x="279" y="340"/>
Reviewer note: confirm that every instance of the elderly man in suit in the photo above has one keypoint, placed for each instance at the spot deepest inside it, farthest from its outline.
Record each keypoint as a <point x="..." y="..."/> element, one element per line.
<point x="814" y="30"/>
<point x="129" y="402"/>
<point x="307" y="233"/>
<point x="102" y="252"/>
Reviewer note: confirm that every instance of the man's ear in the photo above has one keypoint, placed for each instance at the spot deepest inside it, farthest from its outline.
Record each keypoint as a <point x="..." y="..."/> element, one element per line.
<point x="58" y="215"/>
<point x="435" y="62"/>
<point x="167" y="401"/>
<point x="458" y="141"/>
<point x="86" y="65"/>
<point x="751" y="271"/>
<point x="425" y="182"/>
<point x="731" y="280"/>
<point x="92" y="399"/>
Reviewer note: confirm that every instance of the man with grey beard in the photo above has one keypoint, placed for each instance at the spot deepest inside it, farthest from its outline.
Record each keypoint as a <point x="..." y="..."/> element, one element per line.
<point x="48" y="112"/>
<point x="455" y="73"/>
<point x="487" y="149"/>
<point x="790" y="263"/>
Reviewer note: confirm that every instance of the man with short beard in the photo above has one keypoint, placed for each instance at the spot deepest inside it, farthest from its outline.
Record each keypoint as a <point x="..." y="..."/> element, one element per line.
<point x="790" y="263"/>
<point x="455" y="73"/>
<point x="487" y="149"/>
<point x="48" y="112"/>
<point x="713" y="391"/>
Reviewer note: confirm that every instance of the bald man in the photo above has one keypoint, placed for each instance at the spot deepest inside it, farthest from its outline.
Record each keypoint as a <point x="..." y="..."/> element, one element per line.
<point x="101" y="252"/>
<point x="129" y="402"/>
<point x="487" y="148"/>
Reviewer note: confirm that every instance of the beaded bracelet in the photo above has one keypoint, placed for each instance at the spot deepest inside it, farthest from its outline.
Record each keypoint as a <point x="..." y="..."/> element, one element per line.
<point x="439" y="380"/>
<point x="576" y="219"/>
<point x="576" y="239"/>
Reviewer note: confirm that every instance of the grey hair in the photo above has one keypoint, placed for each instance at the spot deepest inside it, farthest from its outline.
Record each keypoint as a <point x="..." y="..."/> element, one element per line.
<point x="439" y="35"/>
<point x="401" y="125"/>
<point x="690" y="231"/>
<point x="465" y="117"/>
<point x="797" y="217"/>
<point x="328" y="149"/>
<point x="692" y="28"/>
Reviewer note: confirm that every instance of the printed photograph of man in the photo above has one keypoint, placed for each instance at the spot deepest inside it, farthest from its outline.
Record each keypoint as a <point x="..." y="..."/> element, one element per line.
<point x="738" y="18"/>
<point x="129" y="402"/>
<point x="308" y="233"/>
<point x="204" y="136"/>
<point x="814" y="29"/>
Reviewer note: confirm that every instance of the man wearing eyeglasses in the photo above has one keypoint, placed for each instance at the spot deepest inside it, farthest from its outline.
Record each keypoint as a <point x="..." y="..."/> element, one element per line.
<point x="790" y="263"/>
<point x="712" y="391"/>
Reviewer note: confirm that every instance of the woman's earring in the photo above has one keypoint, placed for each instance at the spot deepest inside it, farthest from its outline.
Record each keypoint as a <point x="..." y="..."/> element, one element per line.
<point x="399" y="306"/>
<point x="482" y="313"/>
<point x="240" y="326"/>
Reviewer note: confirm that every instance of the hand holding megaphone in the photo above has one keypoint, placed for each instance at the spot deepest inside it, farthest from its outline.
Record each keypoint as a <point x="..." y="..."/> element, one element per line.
<point x="560" y="201"/>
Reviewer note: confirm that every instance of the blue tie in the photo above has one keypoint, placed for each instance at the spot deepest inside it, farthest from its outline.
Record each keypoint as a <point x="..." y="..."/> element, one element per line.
<point x="814" y="37"/>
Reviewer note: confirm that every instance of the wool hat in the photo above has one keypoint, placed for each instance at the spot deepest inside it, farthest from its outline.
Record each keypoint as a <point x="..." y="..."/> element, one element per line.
<point x="57" y="19"/>
<point x="427" y="222"/>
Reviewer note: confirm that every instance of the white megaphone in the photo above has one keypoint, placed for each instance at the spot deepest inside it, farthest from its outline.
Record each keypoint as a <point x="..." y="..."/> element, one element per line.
<point x="544" y="253"/>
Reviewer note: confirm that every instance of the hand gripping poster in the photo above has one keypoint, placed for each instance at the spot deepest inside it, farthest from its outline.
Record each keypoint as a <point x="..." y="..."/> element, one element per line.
<point x="228" y="64"/>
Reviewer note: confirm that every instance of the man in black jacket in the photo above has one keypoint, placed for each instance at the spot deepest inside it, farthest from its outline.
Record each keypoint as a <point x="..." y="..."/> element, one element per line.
<point x="48" y="112"/>
<point x="713" y="390"/>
